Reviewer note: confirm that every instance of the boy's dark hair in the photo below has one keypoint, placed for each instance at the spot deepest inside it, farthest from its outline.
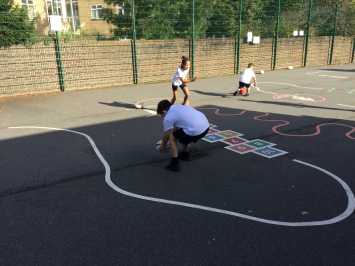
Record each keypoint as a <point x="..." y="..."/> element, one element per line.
<point x="163" y="105"/>
<point x="250" y="65"/>
<point x="184" y="60"/>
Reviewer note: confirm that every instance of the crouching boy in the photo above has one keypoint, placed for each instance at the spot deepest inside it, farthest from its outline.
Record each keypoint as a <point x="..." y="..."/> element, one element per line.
<point x="182" y="124"/>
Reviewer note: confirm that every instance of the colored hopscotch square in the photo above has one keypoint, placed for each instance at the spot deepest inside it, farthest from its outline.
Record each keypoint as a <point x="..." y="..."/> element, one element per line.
<point x="212" y="130"/>
<point x="259" y="143"/>
<point x="241" y="148"/>
<point x="234" y="141"/>
<point x="212" y="138"/>
<point x="229" y="133"/>
<point x="270" y="152"/>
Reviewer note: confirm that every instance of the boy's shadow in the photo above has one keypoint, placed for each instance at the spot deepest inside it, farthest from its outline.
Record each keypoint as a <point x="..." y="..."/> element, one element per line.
<point x="223" y="95"/>
<point x="120" y="104"/>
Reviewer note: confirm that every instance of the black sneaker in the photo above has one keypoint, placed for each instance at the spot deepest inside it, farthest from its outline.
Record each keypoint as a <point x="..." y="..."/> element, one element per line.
<point x="184" y="156"/>
<point x="235" y="93"/>
<point x="173" y="165"/>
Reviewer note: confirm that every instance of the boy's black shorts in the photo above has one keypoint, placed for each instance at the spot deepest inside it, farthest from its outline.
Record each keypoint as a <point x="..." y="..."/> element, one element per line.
<point x="182" y="86"/>
<point x="242" y="85"/>
<point x="185" y="139"/>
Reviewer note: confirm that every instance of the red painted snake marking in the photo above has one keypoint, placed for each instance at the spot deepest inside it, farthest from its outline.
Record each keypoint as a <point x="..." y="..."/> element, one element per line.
<point x="283" y="123"/>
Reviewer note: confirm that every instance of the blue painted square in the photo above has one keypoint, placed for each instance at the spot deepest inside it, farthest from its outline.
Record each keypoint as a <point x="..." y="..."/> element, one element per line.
<point x="213" y="138"/>
<point x="270" y="152"/>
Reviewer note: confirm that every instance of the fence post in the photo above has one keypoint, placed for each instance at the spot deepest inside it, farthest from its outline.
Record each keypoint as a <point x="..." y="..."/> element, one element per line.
<point x="237" y="41"/>
<point x="306" y="39"/>
<point x="58" y="57"/>
<point x="133" y="45"/>
<point x="353" y="52"/>
<point x="193" y="41"/>
<point x="330" y="61"/>
<point x="276" y="34"/>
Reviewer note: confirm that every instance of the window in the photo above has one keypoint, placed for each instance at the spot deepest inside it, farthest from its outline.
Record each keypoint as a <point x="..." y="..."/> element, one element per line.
<point x="28" y="4"/>
<point x="96" y="12"/>
<point x="54" y="7"/>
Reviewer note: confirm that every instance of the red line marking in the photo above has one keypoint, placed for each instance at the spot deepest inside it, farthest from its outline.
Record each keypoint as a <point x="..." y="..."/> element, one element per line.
<point x="283" y="123"/>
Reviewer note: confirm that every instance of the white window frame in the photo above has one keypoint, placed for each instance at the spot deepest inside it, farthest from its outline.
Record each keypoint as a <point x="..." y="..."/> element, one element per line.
<point x="30" y="8"/>
<point x="96" y="12"/>
<point x="56" y="7"/>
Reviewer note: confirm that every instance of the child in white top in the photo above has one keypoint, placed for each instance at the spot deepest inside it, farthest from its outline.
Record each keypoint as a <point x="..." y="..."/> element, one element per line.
<point x="246" y="79"/>
<point x="182" y="124"/>
<point x="180" y="79"/>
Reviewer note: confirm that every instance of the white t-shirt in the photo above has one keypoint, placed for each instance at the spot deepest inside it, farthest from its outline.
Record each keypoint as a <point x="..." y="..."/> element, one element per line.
<point x="247" y="76"/>
<point x="191" y="121"/>
<point x="179" y="74"/>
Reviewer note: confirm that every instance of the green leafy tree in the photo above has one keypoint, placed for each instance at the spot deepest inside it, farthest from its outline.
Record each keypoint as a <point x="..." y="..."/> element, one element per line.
<point x="15" y="26"/>
<point x="222" y="21"/>
<point x="165" y="19"/>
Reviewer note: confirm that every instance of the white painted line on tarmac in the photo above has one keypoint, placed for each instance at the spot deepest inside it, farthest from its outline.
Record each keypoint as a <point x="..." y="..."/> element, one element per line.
<point x="334" y="77"/>
<point x="326" y="75"/>
<point x="346" y="105"/>
<point x="291" y="84"/>
<point x="351" y="91"/>
<point x="345" y="214"/>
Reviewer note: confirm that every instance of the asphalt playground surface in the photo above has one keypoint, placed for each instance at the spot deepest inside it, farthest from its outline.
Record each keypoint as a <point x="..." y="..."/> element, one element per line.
<point x="273" y="184"/>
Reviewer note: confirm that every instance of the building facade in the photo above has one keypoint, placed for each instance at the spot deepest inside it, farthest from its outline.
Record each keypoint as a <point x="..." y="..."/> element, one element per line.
<point x="79" y="16"/>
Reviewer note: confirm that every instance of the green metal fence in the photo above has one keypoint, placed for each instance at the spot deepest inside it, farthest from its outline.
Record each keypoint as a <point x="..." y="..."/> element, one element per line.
<point x="220" y="37"/>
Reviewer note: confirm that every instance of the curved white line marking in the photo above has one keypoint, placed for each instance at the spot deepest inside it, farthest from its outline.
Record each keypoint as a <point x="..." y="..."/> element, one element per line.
<point x="348" y="211"/>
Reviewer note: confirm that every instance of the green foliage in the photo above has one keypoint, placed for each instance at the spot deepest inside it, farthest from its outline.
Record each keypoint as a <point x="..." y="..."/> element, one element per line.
<point x="15" y="26"/>
<point x="165" y="19"/>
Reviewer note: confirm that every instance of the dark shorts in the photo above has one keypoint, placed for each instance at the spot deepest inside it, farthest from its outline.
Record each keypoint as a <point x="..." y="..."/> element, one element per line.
<point x="185" y="139"/>
<point x="242" y="85"/>
<point x="182" y="86"/>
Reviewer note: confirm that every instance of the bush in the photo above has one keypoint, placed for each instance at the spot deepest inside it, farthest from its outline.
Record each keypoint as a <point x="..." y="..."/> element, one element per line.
<point x="15" y="26"/>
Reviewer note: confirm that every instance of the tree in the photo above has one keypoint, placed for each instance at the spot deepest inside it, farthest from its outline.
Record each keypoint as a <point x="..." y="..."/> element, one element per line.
<point x="165" y="19"/>
<point x="15" y="26"/>
<point x="222" y="21"/>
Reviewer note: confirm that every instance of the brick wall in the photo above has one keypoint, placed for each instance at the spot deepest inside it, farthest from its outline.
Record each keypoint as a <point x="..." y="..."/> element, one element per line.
<point x="342" y="51"/>
<point x="260" y="55"/>
<point x="158" y="60"/>
<point x="318" y="51"/>
<point x="214" y="57"/>
<point x="89" y="63"/>
<point x="25" y="70"/>
<point x="289" y="53"/>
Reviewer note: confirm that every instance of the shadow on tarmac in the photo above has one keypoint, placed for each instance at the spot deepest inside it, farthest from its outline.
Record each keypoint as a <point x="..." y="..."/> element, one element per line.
<point x="120" y="104"/>
<point x="223" y="95"/>
<point x="337" y="70"/>
<point x="54" y="197"/>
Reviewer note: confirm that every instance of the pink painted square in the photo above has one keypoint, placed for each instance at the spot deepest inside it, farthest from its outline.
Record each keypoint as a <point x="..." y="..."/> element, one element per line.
<point x="234" y="141"/>
<point x="212" y="130"/>
<point x="241" y="148"/>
